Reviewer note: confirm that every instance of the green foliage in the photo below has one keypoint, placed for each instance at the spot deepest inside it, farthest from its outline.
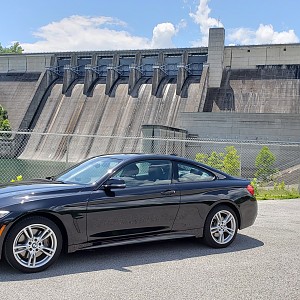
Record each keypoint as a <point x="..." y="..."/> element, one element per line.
<point x="18" y="178"/>
<point x="3" y="113"/>
<point x="202" y="158"/>
<point x="228" y="162"/>
<point x="279" y="186"/>
<point x="278" y="191"/>
<point x="15" y="48"/>
<point x="215" y="160"/>
<point x="264" y="164"/>
<point x="231" y="162"/>
<point x="254" y="183"/>
<point x="4" y="123"/>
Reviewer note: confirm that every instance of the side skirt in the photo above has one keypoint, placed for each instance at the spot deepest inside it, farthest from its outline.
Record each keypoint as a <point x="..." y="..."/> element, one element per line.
<point x="89" y="246"/>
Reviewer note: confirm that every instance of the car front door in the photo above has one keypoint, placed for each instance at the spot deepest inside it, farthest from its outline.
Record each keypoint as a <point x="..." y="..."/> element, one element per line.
<point x="148" y="205"/>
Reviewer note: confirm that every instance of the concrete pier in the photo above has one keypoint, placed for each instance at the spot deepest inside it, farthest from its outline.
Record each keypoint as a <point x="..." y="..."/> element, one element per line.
<point x="112" y="74"/>
<point x="136" y="72"/>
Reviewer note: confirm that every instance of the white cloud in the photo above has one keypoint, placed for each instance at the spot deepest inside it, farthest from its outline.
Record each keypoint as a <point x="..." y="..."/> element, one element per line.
<point x="202" y="18"/>
<point x="77" y="33"/>
<point x="80" y="33"/>
<point x="265" y="34"/>
<point x="182" y="24"/>
<point x="162" y="35"/>
<point x="241" y="36"/>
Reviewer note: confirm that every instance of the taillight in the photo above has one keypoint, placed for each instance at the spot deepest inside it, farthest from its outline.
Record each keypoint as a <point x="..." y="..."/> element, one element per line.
<point x="250" y="189"/>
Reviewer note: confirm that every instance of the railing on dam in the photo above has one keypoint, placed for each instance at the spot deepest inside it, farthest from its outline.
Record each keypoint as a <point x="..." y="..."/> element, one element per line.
<point x="19" y="157"/>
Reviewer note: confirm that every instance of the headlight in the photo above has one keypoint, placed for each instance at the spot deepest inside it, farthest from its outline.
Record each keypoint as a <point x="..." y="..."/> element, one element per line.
<point x="3" y="213"/>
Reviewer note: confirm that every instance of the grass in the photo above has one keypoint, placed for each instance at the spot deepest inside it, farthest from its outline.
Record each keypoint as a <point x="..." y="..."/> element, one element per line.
<point x="277" y="195"/>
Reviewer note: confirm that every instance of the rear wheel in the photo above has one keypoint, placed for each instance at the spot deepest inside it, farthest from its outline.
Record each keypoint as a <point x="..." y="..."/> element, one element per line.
<point x="220" y="227"/>
<point x="33" y="244"/>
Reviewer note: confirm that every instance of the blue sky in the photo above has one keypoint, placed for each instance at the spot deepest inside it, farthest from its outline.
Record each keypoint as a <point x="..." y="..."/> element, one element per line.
<point x="74" y="25"/>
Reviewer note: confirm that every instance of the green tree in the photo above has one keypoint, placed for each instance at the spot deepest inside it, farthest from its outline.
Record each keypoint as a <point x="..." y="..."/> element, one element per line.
<point x="215" y="160"/>
<point x="202" y="158"/>
<point x="264" y="164"/>
<point x="3" y="113"/>
<point x="228" y="162"/>
<point x="4" y="122"/>
<point x="15" y="48"/>
<point x="231" y="162"/>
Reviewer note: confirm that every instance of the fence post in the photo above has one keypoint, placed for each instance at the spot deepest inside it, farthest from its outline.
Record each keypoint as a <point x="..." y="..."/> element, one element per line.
<point x="299" y="175"/>
<point x="67" y="150"/>
<point x="241" y="157"/>
<point x="167" y="146"/>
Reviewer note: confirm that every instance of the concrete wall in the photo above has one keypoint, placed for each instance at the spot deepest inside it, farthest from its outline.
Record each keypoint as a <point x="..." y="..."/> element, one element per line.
<point x="248" y="57"/>
<point x="267" y="89"/>
<point x="10" y="63"/>
<point x="242" y="126"/>
<point x="16" y="93"/>
<point x="172" y="145"/>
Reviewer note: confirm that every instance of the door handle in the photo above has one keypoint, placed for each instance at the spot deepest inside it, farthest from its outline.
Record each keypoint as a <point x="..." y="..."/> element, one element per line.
<point x="168" y="193"/>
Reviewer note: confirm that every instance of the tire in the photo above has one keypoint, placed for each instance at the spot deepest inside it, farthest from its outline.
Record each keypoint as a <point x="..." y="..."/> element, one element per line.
<point x="33" y="244"/>
<point x="220" y="227"/>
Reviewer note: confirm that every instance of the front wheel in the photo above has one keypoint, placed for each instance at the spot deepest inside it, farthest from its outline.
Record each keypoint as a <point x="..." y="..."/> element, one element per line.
<point x="33" y="244"/>
<point x="220" y="227"/>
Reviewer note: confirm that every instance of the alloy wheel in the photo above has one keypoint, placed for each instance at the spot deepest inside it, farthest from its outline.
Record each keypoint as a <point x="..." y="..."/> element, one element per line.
<point x="223" y="227"/>
<point x="35" y="245"/>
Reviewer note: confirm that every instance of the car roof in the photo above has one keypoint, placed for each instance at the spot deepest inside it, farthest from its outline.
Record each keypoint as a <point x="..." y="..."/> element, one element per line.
<point x="129" y="156"/>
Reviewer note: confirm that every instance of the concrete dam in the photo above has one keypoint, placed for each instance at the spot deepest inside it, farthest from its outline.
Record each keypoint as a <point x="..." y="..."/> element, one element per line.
<point x="115" y="93"/>
<point x="106" y="94"/>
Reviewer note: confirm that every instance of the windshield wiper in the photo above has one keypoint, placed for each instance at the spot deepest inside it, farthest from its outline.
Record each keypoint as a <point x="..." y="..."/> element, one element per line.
<point x="52" y="178"/>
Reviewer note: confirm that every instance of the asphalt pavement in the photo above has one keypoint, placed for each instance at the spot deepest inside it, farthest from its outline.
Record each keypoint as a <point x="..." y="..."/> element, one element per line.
<point x="263" y="263"/>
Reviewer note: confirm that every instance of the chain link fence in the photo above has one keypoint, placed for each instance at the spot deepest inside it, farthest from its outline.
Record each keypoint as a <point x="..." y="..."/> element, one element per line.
<point x="38" y="155"/>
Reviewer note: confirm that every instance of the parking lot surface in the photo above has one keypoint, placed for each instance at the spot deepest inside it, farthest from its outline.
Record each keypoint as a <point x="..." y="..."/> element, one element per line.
<point x="263" y="263"/>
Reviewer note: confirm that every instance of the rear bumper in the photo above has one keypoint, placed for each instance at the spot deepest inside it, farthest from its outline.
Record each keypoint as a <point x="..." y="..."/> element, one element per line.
<point x="248" y="210"/>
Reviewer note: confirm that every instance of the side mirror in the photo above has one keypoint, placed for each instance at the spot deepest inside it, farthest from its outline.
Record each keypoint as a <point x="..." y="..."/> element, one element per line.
<point x="114" y="183"/>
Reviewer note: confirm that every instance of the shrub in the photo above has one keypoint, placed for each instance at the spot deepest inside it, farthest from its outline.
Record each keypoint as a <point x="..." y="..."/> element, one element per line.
<point x="215" y="160"/>
<point x="4" y="122"/>
<point x="18" y="178"/>
<point x="202" y="158"/>
<point x="279" y="191"/>
<point x="228" y="162"/>
<point x="231" y="162"/>
<point x="264" y="164"/>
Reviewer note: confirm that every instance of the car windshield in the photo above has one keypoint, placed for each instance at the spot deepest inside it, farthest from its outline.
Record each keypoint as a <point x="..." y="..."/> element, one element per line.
<point x="90" y="171"/>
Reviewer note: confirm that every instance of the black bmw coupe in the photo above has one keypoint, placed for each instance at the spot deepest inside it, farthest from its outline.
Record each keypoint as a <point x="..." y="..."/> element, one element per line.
<point x="116" y="199"/>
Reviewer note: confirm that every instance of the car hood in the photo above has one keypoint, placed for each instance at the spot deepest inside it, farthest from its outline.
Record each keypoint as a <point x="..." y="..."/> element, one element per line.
<point x="15" y="192"/>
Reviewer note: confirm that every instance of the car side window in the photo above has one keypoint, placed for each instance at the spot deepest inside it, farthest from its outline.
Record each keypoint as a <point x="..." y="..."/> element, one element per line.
<point x="190" y="173"/>
<point x="146" y="172"/>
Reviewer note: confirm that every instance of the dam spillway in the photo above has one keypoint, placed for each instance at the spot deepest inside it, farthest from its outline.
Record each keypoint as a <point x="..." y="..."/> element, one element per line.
<point x="111" y="100"/>
<point x="121" y="115"/>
